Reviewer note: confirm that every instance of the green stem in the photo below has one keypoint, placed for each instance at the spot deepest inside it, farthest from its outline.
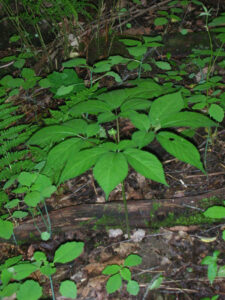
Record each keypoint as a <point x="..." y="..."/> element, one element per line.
<point x="52" y="288"/>
<point x="48" y="218"/>
<point x="125" y="210"/>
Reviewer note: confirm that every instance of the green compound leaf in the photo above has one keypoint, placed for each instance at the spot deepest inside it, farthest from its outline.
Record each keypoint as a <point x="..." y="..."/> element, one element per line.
<point x="132" y="260"/>
<point x="216" y="112"/>
<point x="114" y="283"/>
<point x="126" y="274"/>
<point x="133" y="287"/>
<point x="29" y="290"/>
<point x="68" y="289"/>
<point x="110" y="170"/>
<point x="216" y="212"/>
<point x="111" y="270"/>
<point x="146" y="164"/>
<point x="68" y="252"/>
<point x="180" y="148"/>
<point x="6" y="229"/>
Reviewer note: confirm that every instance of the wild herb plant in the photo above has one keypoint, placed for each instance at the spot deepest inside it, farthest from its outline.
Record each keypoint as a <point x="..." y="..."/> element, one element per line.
<point x="17" y="270"/>
<point x="118" y="273"/>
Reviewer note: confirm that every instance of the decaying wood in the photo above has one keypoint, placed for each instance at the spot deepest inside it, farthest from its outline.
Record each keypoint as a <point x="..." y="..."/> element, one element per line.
<point x="72" y="218"/>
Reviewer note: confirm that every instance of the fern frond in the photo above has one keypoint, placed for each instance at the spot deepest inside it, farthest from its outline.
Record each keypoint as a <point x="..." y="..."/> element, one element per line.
<point x="5" y="113"/>
<point x="11" y="132"/>
<point x="16" y="168"/>
<point x="9" y="121"/>
<point x="10" y="144"/>
<point x="10" y="157"/>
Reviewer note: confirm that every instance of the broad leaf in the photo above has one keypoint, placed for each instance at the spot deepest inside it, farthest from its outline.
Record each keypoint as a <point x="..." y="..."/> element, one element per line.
<point x="133" y="287"/>
<point x="22" y="270"/>
<point x="90" y="107"/>
<point x="68" y="289"/>
<point x="140" y="121"/>
<point x="146" y="164"/>
<point x="58" y="156"/>
<point x="80" y="162"/>
<point x="110" y="170"/>
<point x="165" y="106"/>
<point x="114" y="283"/>
<point x="29" y="290"/>
<point x="216" y="212"/>
<point x="163" y="65"/>
<point x="132" y="260"/>
<point x="180" y="148"/>
<point x="135" y="104"/>
<point x="51" y="134"/>
<point x="125" y="273"/>
<point x="27" y="178"/>
<point x="111" y="270"/>
<point x="187" y="119"/>
<point x="68" y="252"/>
<point x="142" y="138"/>
<point x="6" y="229"/>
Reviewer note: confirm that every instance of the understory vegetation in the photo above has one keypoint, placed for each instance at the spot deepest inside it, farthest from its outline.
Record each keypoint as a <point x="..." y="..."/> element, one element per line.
<point x="103" y="122"/>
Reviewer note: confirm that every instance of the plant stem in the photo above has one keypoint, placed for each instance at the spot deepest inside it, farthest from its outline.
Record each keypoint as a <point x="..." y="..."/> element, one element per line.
<point x="125" y="210"/>
<point x="52" y="288"/>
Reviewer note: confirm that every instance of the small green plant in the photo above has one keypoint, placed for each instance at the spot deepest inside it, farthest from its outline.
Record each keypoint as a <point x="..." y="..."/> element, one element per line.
<point x="14" y="270"/>
<point x="118" y="273"/>
<point x="211" y="262"/>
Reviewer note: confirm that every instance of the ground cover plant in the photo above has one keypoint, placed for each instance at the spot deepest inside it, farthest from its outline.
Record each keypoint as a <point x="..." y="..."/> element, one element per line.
<point x="87" y="131"/>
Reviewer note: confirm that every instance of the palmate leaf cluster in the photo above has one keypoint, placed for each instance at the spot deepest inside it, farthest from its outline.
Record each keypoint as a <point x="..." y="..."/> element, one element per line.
<point x="13" y="157"/>
<point x="153" y="109"/>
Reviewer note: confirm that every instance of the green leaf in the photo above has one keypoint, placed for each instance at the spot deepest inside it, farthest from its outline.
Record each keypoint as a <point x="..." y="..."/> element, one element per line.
<point x="223" y="235"/>
<point x="29" y="290"/>
<point x="163" y="65"/>
<point x="115" y="76"/>
<point x="68" y="289"/>
<point x="106" y="117"/>
<point x="13" y="203"/>
<point x="27" y="179"/>
<point x="45" y="236"/>
<point x="131" y="42"/>
<point x="9" y="290"/>
<point x="74" y="62"/>
<point x="27" y="73"/>
<point x="160" y="21"/>
<point x="216" y="112"/>
<point x="41" y="183"/>
<point x="68" y="252"/>
<point x="80" y="162"/>
<point x="6" y="229"/>
<point x="132" y="65"/>
<point x="65" y="90"/>
<point x="110" y="170"/>
<point x="135" y="104"/>
<point x="22" y="270"/>
<point x="212" y="271"/>
<point x="59" y="154"/>
<point x="142" y="138"/>
<point x="140" y="121"/>
<point x="5" y="277"/>
<point x="165" y="106"/>
<point x="137" y="51"/>
<point x="221" y="272"/>
<point x="101" y="66"/>
<point x="33" y="198"/>
<point x="146" y="164"/>
<point x="216" y="212"/>
<point x="47" y="270"/>
<point x="19" y="214"/>
<point x="156" y="283"/>
<point x="132" y="260"/>
<point x="51" y="134"/>
<point x="13" y="260"/>
<point x="133" y="287"/>
<point x="114" y="283"/>
<point x="125" y="274"/>
<point x="111" y="270"/>
<point x="40" y="256"/>
<point x="90" y="107"/>
<point x="180" y="148"/>
<point x="187" y="119"/>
